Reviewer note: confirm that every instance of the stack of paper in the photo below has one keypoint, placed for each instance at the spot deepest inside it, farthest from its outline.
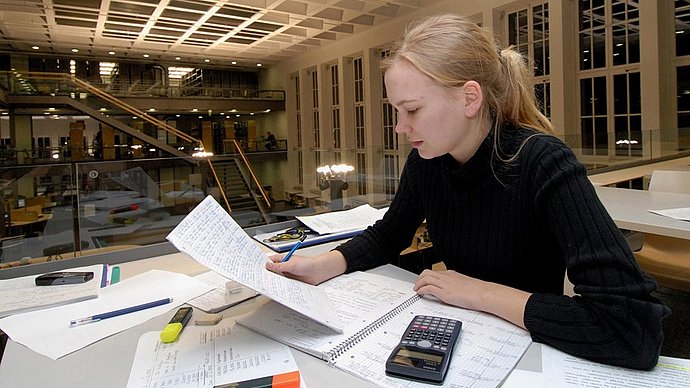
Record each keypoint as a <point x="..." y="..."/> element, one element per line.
<point x="328" y="227"/>
<point x="20" y="295"/>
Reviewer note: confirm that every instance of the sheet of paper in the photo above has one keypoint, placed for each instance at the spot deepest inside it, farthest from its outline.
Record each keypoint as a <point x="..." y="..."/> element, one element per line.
<point x="354" y="219"/>
<point x="360" y="298"/>
<point x="523" y="378"/>
<point x="563" y="370"/>
<point x="204" y="357"/>
<point x="681" y="213"/>
<point x="210" y="236"/>
<point x="48" y="331"/>
<point x="571" y="371"/>
<point x="226" y="293"/>
<point x="22" y="294"/>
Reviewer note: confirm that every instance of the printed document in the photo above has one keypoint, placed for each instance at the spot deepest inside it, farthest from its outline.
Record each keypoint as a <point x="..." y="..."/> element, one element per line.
<point x="563" y="370"/>
<point x="207" y="356"/>
<point x="681" y="213"/>
<point x="358" y="218"/>
<point x="48" y="331"/>
<point x="21" y="294"/>
<point x="210" y="236"/>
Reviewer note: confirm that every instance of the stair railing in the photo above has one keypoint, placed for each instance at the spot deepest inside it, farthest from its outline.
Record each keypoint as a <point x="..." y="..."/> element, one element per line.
<point x="199" y="150"/>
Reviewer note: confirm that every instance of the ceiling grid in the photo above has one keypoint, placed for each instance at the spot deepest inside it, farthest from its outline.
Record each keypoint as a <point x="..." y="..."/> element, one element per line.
<point x="195" y="31"/>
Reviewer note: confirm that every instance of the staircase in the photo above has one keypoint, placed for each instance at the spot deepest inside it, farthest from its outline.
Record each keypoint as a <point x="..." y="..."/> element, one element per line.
<point x="247" y="207"/>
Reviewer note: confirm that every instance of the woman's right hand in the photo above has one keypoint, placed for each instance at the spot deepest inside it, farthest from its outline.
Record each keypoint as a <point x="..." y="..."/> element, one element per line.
<point x="312" y="270"/>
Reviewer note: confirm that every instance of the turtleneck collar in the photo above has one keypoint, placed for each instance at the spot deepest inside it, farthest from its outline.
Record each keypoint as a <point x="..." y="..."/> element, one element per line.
<point x="477" y="167"/>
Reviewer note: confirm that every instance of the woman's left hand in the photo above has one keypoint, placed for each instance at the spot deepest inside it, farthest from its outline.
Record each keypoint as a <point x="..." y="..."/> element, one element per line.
<point x="452" y="288"/>
<point x="471" y="293"/>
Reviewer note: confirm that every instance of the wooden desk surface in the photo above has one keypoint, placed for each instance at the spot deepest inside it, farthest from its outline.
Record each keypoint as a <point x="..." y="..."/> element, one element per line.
<point x="630" y="210"/>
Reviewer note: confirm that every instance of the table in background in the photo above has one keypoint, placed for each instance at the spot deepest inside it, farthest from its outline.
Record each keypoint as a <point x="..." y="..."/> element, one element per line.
<point x="630" y="210"/>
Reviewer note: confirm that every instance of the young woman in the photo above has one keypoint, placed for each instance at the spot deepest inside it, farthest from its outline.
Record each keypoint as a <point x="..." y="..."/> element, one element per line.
<point x="508" y="207"/>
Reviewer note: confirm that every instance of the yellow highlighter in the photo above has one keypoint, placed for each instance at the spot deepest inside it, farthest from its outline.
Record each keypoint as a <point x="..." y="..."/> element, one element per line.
<point x="173" y="329"/>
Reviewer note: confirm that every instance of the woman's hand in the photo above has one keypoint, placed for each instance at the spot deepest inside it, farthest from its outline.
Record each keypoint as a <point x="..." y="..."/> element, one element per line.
<point x="312" y="270"/>
<point x="467" y="292"/>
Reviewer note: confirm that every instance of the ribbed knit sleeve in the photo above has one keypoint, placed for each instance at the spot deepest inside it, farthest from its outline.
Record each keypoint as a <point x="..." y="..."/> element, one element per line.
<point x="614" y="319"/>
<point x="382" y="243"/>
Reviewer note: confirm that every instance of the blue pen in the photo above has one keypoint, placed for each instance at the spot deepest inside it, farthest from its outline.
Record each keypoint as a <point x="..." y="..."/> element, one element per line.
<point x="116" y="313"/>
<point x="297" y="244"/>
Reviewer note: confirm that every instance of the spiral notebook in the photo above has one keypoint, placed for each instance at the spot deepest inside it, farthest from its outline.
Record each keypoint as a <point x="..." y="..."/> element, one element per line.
<point x="375" y="310"/>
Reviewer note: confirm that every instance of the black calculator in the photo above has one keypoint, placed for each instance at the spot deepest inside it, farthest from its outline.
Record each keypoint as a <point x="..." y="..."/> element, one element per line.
<point x="425" y="349"/>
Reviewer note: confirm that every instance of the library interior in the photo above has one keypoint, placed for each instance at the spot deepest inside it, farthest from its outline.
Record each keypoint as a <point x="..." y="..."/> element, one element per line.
<point x="120" y="119"/>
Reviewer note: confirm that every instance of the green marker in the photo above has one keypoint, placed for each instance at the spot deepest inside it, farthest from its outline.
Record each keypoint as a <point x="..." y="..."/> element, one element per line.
<point x="115" y="276"/>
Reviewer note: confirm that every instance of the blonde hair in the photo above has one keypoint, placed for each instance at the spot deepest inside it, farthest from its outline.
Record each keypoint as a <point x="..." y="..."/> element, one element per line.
<point x="452" y="51"/>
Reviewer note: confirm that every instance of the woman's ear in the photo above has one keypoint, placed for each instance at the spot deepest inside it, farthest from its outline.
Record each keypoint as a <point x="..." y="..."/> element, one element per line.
<point x="474" y="98"/>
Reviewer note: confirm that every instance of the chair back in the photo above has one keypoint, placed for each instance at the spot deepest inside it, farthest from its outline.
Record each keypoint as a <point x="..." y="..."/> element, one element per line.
<point x="670" y="181"/>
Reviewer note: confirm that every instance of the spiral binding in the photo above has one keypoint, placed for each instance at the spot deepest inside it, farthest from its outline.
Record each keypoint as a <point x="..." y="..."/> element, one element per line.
<point x="358" y="336"/>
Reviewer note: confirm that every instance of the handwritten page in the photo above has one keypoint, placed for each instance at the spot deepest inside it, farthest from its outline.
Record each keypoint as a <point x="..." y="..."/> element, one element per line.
<point x="359" y="298"/>
<point x="486" y="352"/>
<point x="48" y="331"/>
<point x="333" y="222"/>
<point x="210" y="236"/>
<point x="226" y="293"/>
<point x="681" y="213"/>
<point x="205" y="357"/>
<point x="563" y="370"/>
<point x="21" y="294"/>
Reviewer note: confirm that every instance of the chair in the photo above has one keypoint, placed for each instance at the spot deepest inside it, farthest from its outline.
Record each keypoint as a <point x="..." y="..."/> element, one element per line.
<point x="667" y="259"/>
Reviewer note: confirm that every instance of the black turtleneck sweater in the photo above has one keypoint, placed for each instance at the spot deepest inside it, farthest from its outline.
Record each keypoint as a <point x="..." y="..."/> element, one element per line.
<point x="522" y="223"/>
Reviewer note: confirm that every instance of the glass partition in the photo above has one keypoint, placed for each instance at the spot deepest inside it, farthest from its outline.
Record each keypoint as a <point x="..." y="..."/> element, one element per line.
<point x="60" y="211"/>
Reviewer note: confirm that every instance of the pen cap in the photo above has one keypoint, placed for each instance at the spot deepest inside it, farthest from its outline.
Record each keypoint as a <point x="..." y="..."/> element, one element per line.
<point x="171" y="331"/>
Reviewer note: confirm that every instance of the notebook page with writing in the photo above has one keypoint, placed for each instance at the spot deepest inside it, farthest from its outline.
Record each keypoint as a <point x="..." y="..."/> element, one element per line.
<point x="360" y="298"/>
<point x="210" y="236"/>
<point x="487" y="350"/>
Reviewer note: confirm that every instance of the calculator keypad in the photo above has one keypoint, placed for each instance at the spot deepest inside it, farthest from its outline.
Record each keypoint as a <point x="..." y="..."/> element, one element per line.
<point x="430" y="332"/>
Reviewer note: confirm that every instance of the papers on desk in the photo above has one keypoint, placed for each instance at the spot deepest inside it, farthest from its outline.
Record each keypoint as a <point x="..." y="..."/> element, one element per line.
<point x="681" y="213"/>
<point x="21" y="294"/>
<point x="564" y="370"/>
<point x="345" y="220"/>
<point x="204" y="357"/>
<point x="327" y="227"/>
<point x="210" y="236"/>
<point x="375" y="310"/>
<point x="48" y="331"/>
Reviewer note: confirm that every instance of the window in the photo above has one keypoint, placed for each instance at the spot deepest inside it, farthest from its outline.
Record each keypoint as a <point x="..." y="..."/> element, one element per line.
<point x="357" y="65"/>
<point x="361" y="171"/>
<point x="391" y="176"/>
<point x="593" y="119"/>
<point x="610" y="78"/>
<point x="335" y="106"/>
<point x="592" y="32"/>
<point x="682" y="28"/>
<point x="528" y="33"/>
<point x="315" y="109"/>
<point x="627" y="114"/>
<point x="625" y="32"/>
<point x="683" y="82"/>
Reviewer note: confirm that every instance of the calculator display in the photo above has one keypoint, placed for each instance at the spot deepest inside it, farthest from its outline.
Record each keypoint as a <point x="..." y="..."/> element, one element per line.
<point x="407" y="356"/>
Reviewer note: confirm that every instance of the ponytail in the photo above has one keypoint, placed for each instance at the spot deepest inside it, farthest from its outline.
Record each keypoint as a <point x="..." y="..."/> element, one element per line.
<point x="519" y="106"/>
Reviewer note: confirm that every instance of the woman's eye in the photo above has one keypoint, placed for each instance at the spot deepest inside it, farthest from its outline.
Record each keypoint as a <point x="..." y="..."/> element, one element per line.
<point x="410" y="111"/>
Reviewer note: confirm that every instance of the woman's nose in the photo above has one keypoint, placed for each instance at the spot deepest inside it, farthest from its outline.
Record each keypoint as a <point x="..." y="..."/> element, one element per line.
<point x="402" y="127"/>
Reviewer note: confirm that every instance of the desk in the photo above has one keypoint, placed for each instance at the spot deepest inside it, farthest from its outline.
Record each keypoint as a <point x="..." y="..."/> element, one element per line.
<point x="107" y="363"/>
<point x="630" y="210"/>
